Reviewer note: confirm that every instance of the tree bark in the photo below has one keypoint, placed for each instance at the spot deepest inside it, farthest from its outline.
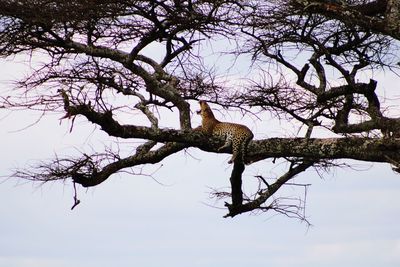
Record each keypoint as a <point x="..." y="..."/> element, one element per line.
<point x="364" y="149"/>
<point x="236" y="184"/>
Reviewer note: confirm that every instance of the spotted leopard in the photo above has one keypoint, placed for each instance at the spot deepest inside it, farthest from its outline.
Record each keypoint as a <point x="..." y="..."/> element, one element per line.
<point x="236" y="135"/>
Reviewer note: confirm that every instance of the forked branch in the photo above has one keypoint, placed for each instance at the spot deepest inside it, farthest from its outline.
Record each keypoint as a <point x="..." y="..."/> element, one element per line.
<point x="266" y="194"/>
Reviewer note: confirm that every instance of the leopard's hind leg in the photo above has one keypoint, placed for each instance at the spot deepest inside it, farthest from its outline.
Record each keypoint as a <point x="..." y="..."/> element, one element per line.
<point x="236" y="151"/>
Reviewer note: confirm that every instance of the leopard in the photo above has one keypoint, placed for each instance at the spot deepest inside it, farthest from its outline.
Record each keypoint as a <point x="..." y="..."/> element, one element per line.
<point x="237" y="136"/>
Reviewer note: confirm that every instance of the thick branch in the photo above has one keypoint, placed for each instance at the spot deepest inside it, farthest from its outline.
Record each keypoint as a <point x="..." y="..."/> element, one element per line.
<point x="358" y="88"/>
<point x="356" y="148"/>
<point x="365" y="149"/>
<point x="114" y="128"/>
<point x="236" y="184"/>
<point x="374" y="150"/>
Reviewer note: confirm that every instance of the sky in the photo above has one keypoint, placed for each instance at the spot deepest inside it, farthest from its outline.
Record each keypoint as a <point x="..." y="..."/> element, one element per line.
<point x="169" y="219"/>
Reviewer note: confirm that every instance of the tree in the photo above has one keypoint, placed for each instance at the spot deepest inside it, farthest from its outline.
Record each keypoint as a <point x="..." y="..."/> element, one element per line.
<point x="97" y="66"/>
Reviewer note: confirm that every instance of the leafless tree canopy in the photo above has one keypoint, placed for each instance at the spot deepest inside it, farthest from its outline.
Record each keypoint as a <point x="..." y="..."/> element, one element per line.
<point x="99" y="64"/>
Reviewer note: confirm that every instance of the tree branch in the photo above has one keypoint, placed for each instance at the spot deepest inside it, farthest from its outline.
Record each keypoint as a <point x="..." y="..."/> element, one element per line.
<point x="364" y="149"/>
<point x="149" y="157"/>
<point x="270" y="191"/>
<point x="367" y="16"/>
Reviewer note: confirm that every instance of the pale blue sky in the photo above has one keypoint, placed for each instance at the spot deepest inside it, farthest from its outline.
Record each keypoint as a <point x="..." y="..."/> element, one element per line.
<point x="134" y="221"/>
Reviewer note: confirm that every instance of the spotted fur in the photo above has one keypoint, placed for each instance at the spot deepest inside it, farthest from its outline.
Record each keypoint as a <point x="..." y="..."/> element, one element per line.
<point x="236" y="135"/>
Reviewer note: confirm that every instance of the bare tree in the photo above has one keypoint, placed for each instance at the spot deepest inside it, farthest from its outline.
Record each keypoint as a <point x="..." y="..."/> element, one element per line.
<point x="97" y="68"/>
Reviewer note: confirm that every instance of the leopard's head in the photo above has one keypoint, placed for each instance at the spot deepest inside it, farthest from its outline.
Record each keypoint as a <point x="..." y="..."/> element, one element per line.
<point x="204" y="108"/>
